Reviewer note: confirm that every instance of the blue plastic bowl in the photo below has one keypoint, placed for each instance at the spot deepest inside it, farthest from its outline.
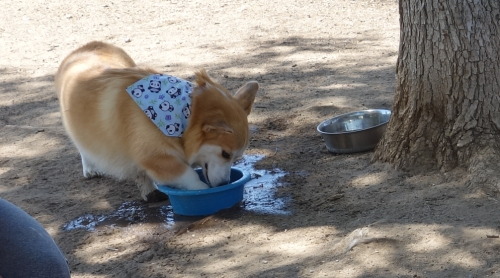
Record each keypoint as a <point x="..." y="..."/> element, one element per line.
<point x="207" y="201"/>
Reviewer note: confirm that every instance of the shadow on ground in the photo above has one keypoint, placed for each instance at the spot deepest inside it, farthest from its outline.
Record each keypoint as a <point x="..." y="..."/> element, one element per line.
<point x="362" y="208"/>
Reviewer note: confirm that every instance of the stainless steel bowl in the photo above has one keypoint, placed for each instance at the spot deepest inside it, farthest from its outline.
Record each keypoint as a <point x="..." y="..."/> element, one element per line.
<point x="354" y="132"/>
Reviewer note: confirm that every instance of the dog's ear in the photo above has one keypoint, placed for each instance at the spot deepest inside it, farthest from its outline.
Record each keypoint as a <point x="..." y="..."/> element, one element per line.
<point x="246" y="95"/>
<point x="202" y="78"/>
<point x="217" y="127"/>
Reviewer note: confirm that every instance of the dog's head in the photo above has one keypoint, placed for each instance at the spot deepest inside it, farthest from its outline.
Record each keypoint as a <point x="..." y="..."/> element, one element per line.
<point x="218" y="131"/>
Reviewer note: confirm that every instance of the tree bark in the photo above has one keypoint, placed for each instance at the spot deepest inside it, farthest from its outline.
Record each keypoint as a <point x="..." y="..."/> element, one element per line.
<point x="446" y="111"/>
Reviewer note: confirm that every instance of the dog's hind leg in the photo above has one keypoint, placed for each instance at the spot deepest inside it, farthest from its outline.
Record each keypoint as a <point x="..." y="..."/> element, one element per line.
<point x="149" y="191"/>
<point x="89" y="168"/>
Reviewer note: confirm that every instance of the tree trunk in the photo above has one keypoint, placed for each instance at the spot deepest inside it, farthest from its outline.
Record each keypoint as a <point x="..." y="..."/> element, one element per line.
<point x="446" y="111"/>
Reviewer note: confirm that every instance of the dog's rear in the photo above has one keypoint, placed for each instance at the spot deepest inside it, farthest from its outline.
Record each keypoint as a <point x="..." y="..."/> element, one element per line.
<point x="88" y="102"/>
<point x="114" y="136"/>
<point x="104" y="124"/>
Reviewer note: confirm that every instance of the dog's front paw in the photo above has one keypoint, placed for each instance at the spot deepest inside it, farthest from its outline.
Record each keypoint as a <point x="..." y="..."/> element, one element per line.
<point x="156" y="196"/>
<point x="197" y="185"/>
<point x="189" y="180"/>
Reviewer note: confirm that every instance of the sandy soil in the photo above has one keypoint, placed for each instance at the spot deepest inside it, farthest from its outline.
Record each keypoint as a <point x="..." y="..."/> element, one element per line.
<point x="348" y="216"/>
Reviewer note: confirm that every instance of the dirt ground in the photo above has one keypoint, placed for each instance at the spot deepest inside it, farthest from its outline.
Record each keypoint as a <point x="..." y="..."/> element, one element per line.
<point x="348" y="216"/>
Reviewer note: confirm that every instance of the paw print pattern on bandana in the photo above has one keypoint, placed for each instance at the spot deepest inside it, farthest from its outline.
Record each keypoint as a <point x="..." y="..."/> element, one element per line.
<point x="165" y="100"/>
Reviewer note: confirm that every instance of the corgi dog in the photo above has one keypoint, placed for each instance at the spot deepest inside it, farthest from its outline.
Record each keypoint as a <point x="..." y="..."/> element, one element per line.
<point x="116" y="137"/>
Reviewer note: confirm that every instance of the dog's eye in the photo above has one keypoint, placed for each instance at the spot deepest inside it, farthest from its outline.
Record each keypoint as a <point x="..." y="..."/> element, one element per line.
<point x="225" y="155"/>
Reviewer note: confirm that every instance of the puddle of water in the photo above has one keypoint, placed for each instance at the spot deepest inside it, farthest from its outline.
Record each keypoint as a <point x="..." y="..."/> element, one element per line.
<point x="128" y="213"/>
<point x="258" y="197"/>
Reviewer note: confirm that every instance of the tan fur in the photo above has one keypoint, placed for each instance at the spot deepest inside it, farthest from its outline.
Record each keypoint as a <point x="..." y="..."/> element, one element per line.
<point x="115" y="137"/>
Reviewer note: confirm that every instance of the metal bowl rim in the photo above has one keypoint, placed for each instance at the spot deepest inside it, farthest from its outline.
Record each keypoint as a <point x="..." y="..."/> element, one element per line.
<point x="354" y="131"/>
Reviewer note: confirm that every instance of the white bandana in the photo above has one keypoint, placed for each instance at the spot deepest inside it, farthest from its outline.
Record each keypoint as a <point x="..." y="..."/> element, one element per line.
<point x="166" y="100"/>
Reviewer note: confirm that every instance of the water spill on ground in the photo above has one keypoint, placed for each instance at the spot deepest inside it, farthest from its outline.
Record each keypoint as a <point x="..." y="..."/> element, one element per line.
<point x="259" y="197"/>
<point x="128" y="213"/>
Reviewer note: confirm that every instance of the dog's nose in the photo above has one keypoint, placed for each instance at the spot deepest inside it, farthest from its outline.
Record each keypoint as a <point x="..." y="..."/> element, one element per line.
<point x="222" y="182"/>
<point x="226" y="181"/>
